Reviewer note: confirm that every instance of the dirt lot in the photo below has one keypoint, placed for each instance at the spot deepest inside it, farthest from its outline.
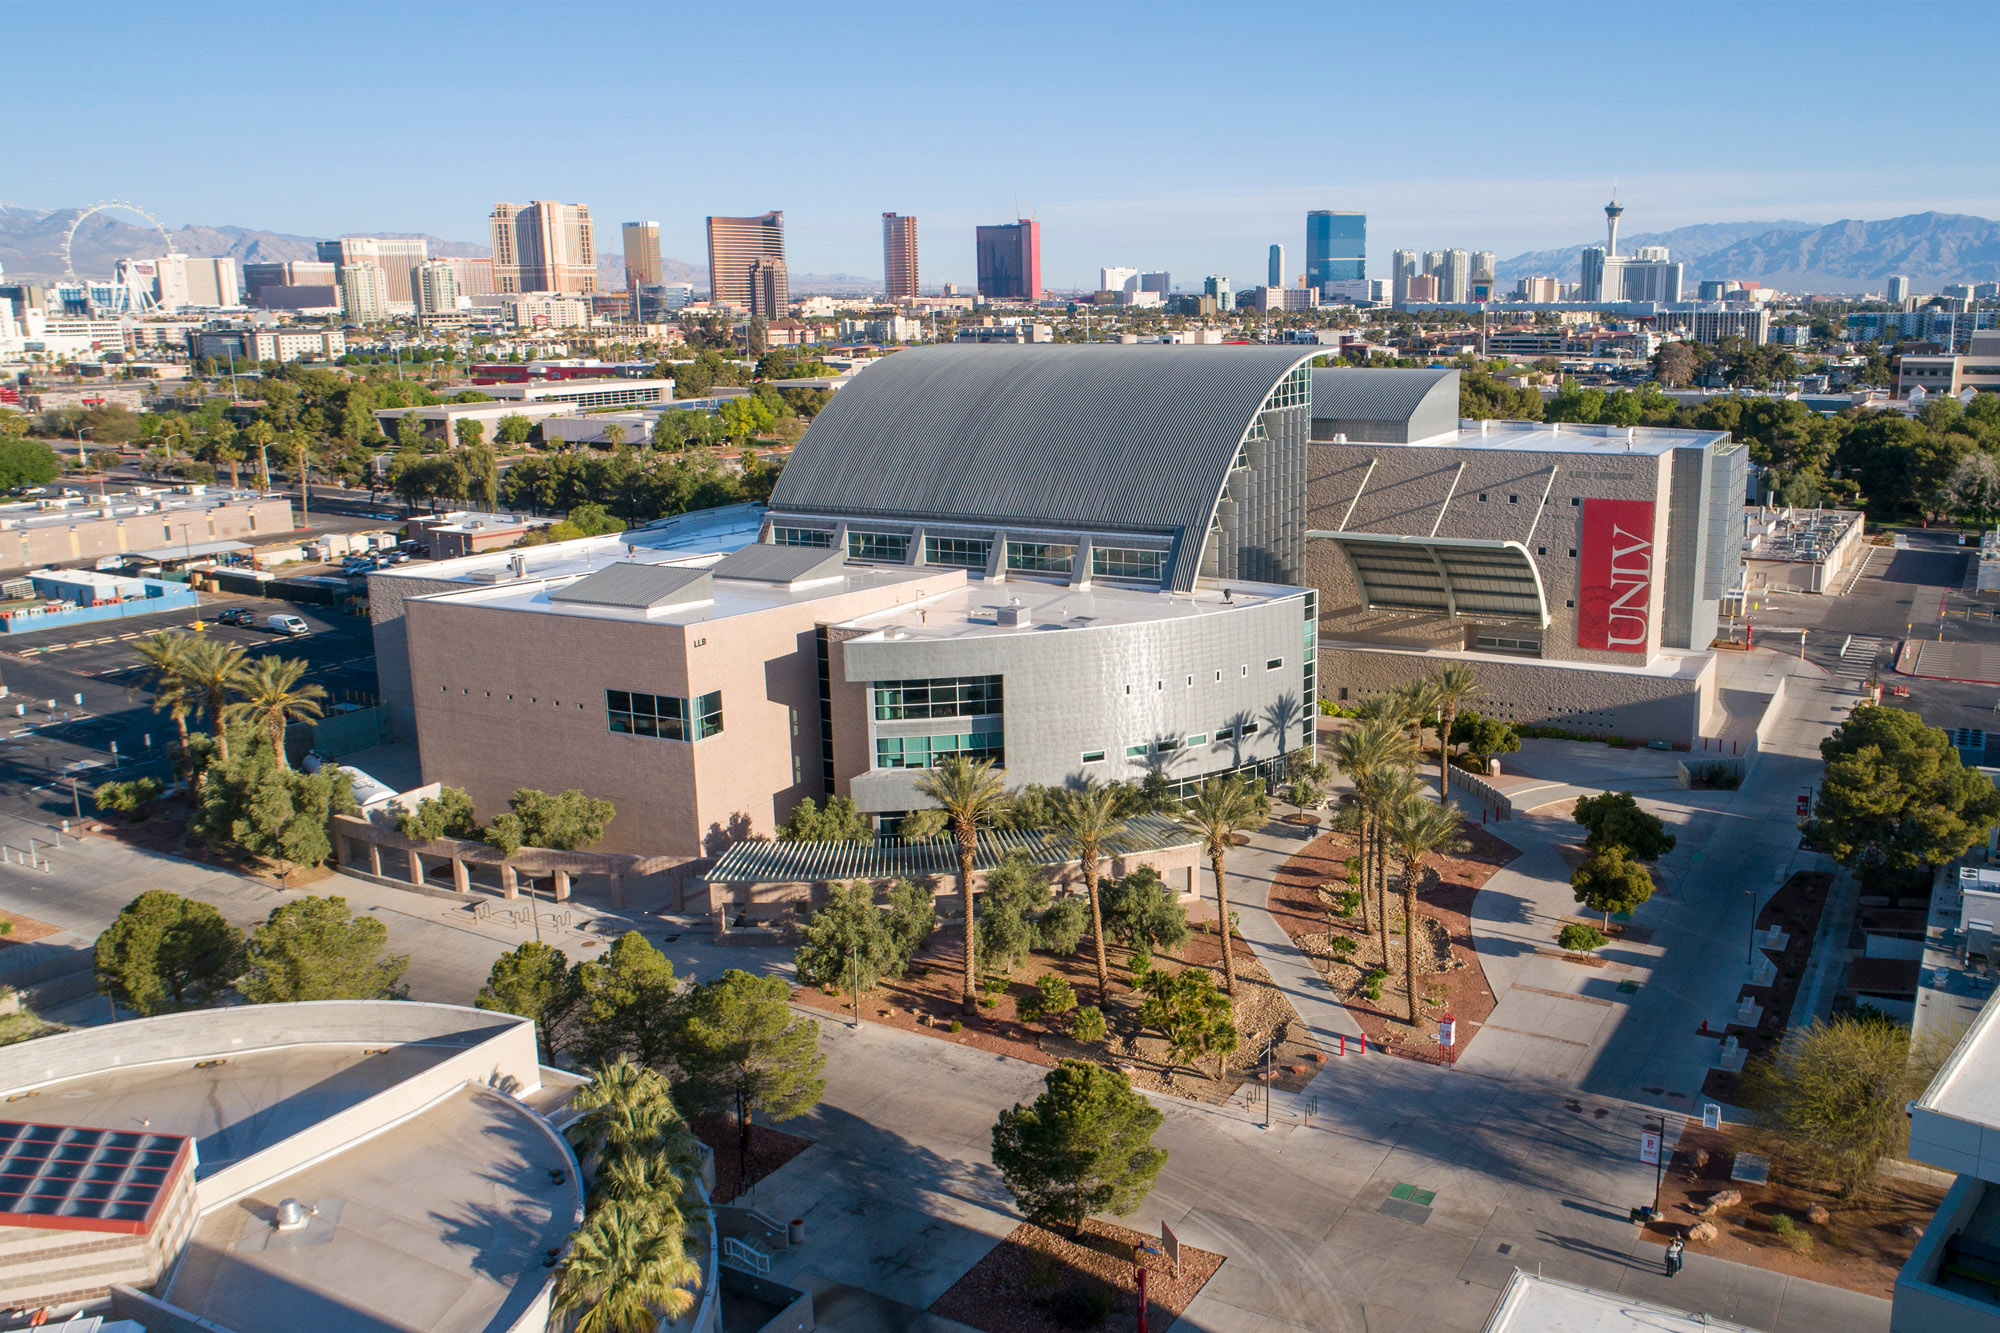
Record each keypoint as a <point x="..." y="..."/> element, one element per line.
<point x="1304" y="900"/>
<point x="1861" y="1245"/>
<point x="1023" y="1282"/>
<point x="926" y="1000"/>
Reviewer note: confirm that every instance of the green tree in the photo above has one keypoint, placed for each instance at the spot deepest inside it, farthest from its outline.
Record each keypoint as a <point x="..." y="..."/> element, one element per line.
<point x="1091" y="817"/>
<point x="315" y="949"/>
<point x="1016" y="890"/>
<point x="966" y="797"/>
<point x="1196" y="1018"/>
<point x="1896" y="797"/>
<point x="270" y="812"/>
<point x="1419" y="829"/>
<point x="1452" y="687"/>
<point x="1220" y="809"/>
<point x="625" y="1271"/>
<point x="469" y="432"/>
<point x="131" y="799"/>
<point x="449" y="814"/>
<point x="1611" y="881"/>
<point x="566" y="821"/>
<point x="212" y="669"/>
<point x="739" y="1048"/>
<point x="1139" y="908"/>
<point x="840" y="821"/>
<point x="1483" y="737"/>
<point x="912" y="918"/>
<point x="1061" y="928"/>
<point x="1614" y="819"/>
<point x="1580" y="938"/>
<point x="273" y="698"/>
<point x="1366" y="752"/>
<point x="624" y="1004"/>
<point x="164" y="654"/>
<point x="846" y="942"/>
<point x="514" y="429"/>
<point x="533" y="981"/>
<point x="1085" y="1146"/>
<point x="166" y="953"/>
<point x="1837" y="1095"/>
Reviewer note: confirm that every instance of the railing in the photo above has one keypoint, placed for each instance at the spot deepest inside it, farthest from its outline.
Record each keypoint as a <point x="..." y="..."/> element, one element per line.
<point x="746" y="1256"/>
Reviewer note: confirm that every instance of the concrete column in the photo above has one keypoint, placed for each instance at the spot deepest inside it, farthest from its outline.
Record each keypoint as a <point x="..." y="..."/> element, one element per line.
<point x="461" y="878"/>
<point x="618" y="889"/>
<point x="509" y="886"/>
<point x="562" y="886"/>
<point x="375" y="858"/>
<point x="416" y="869"/>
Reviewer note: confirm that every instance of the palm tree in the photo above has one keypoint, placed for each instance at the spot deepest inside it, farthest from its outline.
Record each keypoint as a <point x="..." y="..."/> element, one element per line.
<point x="625" y="1107"/>
<point x="1419" y="829"/>
<point x="1220" y="809"/>
<point x="166" y="655"/>
<point x="1455" y="685"/>
<point x="212" y="669"/>
<point x="272" y="697"/>
<point x="1089" y="818"/>
<point x="1387" y="787"/>
<point x="1363" y="750"/>
<point x="627" y="1266"/>
<point x="1418" y="703"/>
<point x="969" y="796"/>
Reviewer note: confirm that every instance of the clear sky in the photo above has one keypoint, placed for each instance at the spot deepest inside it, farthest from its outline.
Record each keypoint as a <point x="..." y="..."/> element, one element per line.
<point x="1163" y="135"/>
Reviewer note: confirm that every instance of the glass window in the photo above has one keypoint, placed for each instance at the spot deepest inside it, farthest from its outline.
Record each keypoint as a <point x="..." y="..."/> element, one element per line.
<point x="1041" y="557"/>
<point x="660" y="716"/>
<point x="1250" y="728"/>
<point x="708" y="715"/>
<point x="958" y="552"/>
<point x="929" y="751"/>
<point x="1135" y="752"/>
<point x="801" y="537"/>
<point x="1117" y="562"/>
<point x="1225" y="733"/>
<point x="1093" y="756"/>
<point x="891" y="547"/>
<point x="949" y="696"/>
<point x="1198" y="738"/>
<point x="1274" y="664"/>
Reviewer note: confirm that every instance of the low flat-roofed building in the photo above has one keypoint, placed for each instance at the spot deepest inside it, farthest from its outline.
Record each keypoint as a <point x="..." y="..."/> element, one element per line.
<point x="1532" y="1303"/>
<point x="1952" y="1278"/>
<point x="1801" y="550"/>
<point x="73" y="529"/>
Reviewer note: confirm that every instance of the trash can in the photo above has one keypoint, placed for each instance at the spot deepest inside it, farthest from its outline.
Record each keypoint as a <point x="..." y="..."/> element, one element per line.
<point x="1492" y="768"/>
<point x="796" y="1233"/>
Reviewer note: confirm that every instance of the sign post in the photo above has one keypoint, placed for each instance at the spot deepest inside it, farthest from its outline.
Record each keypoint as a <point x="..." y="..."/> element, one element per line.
<point x="1448" y="1038"/>
<point x="1170" y="1245"/>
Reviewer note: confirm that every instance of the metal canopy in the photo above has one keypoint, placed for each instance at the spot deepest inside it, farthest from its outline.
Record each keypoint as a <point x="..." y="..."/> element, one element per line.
<point x="1466" y="578"/>
<point x="758" y="862"/>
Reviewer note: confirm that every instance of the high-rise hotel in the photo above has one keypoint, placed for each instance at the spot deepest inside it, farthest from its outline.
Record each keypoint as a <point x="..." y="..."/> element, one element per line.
<point x="746" y="263"/>
<point x="899" y="257"/>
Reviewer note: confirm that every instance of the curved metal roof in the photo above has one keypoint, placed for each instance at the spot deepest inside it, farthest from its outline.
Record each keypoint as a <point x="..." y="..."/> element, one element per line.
<point x="1466" y="578"/>
<point x="1355" y="393"/>
<point x="1095" y="437"/>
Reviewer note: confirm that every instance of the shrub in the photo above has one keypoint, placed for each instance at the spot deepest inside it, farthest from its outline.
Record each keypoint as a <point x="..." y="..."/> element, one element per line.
<point x="1054" y="996"/>
<point x="1580" y="938"/>
<point x="130" y="799"/>
<point x="1371" y="984"/>
<point x="1142" y="961"/>
<point x="1346" y="903"/>
<point x="1088" y="1025"/>
<point x="1342" y="945"/>
<point x="957" y="1026"/>
<point x="1796" y="1238"/>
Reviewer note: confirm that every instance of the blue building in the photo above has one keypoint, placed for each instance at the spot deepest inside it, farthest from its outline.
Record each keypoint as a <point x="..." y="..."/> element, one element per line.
<point x="1336" y="247"/>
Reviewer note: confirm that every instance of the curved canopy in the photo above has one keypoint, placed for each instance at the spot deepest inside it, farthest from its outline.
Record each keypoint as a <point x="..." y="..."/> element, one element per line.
<point x="1093" y="437"/>
<point x="1466" y="578"/>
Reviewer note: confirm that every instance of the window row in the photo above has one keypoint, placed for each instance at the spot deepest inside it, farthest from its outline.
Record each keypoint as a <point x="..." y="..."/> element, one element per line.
<point x="801" y="537"/>
<point x="1041" y="557"/>
<point x="958" y="552"/>
<point x="1117" y="562"/>
<point x="664" y="716"/>
<point x="947" y="696"/>
<point x="1169" y="744"/>
<point x="930" y="751"/>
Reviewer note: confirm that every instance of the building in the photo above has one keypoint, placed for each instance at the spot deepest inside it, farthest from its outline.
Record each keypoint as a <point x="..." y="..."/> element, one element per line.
<point x="1800" y="550"/>
<point x="770" y="289"/>
<point x="544" y="247"/>
<point x="318" y="1165"/>
<point x="1454" y="275"/>
<point x="397" y="257"/>
<point x="1279" y="298"/>
<point x="180" y="282"/>
<point x="1420" y="288"/>
<point x="1978" y="367"/>
<point x="1580" y="567"/>
<point x="1009" y="261"/>
<point x="641" y="241"/>
<point x="475" y="276"/>
<point x="894" y="329"/>
<point x="1951" y="1279"/>
<point x="364" y="293"/>
<point x="1336" y="248"/>
<point x="1004" y="331"/>
<point x="899" y="257"/>
<point x="1274" y="275"/>
<point x="291" y="273"/>
<point x="1402" y="267"/>
<point x="227" y="344"/>
<point x="544" y="310"/>
<point x="1711" y="323"/>
<point x="736" y="246"/>
<point x="1160" y="283"/>
<point x="1609" y="276"/>
<point x="1080" y="601"/>
<point x="76" y="531"/>
<point x="1218" y="289"/>
<point x="1899" y="289"/>
<point x="1118" y="279"/>
<point x="437" y="290"/>
<point x="1483" y="262"/>
<point x="1949" y="329"/>
<point x="1539" y="289"/>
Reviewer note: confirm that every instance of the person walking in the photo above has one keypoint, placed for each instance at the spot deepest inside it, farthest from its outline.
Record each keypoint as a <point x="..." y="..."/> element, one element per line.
<point x="1674" y="1248"/>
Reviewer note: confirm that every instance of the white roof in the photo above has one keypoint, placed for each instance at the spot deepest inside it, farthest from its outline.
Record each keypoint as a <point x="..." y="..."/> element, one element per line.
<point x="1536" y="1304"/>
<point x="1955" y="1125"/>
<point x="1556" y="437"/>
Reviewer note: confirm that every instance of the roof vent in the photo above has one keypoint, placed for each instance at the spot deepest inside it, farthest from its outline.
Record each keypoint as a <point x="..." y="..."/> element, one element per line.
<point x="293" y="1216"/>
<point x="1015" y="614"/>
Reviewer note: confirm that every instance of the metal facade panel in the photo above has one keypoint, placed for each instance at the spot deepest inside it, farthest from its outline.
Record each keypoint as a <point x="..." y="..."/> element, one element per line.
<point x="1383" y="406"/>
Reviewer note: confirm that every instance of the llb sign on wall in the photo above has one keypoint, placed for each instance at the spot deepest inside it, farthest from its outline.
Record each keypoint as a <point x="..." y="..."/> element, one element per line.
<point x="1615" y="593"/>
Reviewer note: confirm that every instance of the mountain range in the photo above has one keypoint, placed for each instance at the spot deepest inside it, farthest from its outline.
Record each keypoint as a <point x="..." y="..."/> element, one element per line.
<point x="1932" y="249"/>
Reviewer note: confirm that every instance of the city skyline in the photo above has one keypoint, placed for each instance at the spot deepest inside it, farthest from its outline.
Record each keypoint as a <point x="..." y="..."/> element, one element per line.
<point x="1161" y="210"/>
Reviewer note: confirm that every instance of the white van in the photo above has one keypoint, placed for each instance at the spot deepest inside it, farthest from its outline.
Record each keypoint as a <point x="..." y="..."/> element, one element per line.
<point x="287" y="625"/>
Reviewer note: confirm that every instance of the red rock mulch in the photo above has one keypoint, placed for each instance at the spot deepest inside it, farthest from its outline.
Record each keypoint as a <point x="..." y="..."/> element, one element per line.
<point x="769" y="1150"/>
<point x="26" y="930"/>
<point x="1795" y="909"/>
<point x="1021" y="1282"/>
<point x="1445" y="897"/>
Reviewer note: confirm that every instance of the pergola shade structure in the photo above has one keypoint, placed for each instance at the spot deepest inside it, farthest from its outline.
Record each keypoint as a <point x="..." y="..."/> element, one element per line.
<point x="1465" y="578"/>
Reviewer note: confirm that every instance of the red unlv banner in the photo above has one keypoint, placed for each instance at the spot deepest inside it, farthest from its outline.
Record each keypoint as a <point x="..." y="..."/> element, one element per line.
<point x="1615" y="592"/>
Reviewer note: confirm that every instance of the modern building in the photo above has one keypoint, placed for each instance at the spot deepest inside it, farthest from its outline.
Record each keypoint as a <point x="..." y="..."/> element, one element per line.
<point x="543" y="247"/>
<point x="1483" y="262"/>
<point x="1609" y="276"/>
<point x="247" y="345"/>
<point x="1402" y="267"/>
<point x="1118" y="279"/>
<point x="1949" y="329"/>
<point x="1711" y="323"/>
<point x="1336" y="248"/>
<point x="899" y="257"/>
<point x="364" y="293"/>
<point x="1454" y="275"/>
<point x="641" y="241"/>
<point x="397" y="257"/>
<point x="1108" y="589"/>
<point x="1978" y="367"/>
<point x="1274" y="275"/>
<point x="1952" y="1279"/>
<point x="291" y="273"/>
<point x="195" y="281"/>
<point x="1279" y="298"/>
<point x="1009" y="261"/>
<point x="1899" y="289"/>
<point x="770" y="289"/>
<point x="475" y="276"/>
<point x="1218" y="288"/>
<point x="437" y="290"/>
<point x="736" y="246"/>
<point x="1580" y="567"/>
<point x="1010" y="331"/>
<point x="1539" y="289"/>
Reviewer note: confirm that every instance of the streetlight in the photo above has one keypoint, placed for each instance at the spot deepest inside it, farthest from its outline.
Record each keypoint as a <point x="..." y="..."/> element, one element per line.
<point x="1658" y="1125"/>
<point x="82" y="464"/>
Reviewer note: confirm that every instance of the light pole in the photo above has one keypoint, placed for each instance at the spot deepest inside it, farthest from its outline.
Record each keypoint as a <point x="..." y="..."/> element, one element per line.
<point x="82" y="463"/>
<point x="1658" y="1124"/>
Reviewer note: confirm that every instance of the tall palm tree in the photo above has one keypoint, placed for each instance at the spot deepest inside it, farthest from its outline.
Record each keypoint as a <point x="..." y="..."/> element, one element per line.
<point x="1419" y="829"/>
<point x="1363" y="750"/>
<point x="1417" y="700"/>
<point x="272" y="697"/>
<point x="212" y="669"/>
<point x="1386" y="788"/>
<point x="969" y="796"/>
<point x="1220" y="809"/>
<point x="625" y="1107"/>
<point x="627" y="1266"/>
<point x="165" y="654"/>
<point x="1454" y="686"/>
<point x="1090" y="818"/>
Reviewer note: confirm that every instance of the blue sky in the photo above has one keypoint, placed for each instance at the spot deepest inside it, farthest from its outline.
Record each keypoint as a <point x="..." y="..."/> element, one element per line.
<point x="1183" y="136"/>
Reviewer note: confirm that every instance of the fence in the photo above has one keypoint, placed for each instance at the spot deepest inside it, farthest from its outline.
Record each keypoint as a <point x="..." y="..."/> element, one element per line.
<point x="1481" y="790"/>
<point x="30" y="619"/>
<point x="347" y="733"/>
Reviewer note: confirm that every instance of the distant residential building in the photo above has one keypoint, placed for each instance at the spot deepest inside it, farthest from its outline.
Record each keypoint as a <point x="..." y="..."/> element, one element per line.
<point x="316" y="273"/>
<point x="1421" y="287"/>
<point x="735" y="247"/>
<point x="1402" y="267"/>
<point x="1009" y="258"/>
<point x="770" y="289"/>
<point x="1538" y="289"/>
<point x="396" y="256"/>
<point x="437" y="290"/>
<point x="1936" y="326"/>
<point x="1218" y="288"/>
<point x="475" y="276"/>
<point x="1433" y="261"/>
<point x="899" y="257"/>
<point x="1483" y="262"/>
<point x="1454" y="275"/>
<point x="248" y="346"/>
<point x="1279" y="298"/>
<point x="543" y="310"/>
<point x="1117" y="279"/>
<point x="201" y="281"/>
<point x="1978" y="367"/>
<point x="1899" y="289"/>
<point x="1792" y="335"/>
<point x="894" y="329"/>
<point x="543" y="247"/>
<point x="364" y="293"/>
<point x="642" y="255"/>
<point x="1275" y="274"/>
<point x="1161" y="282"/>
<point x="1336" y="247"/>
<point x="1005" y="331"/>
<point x="658" y="300"/>
<point x="1711" y="323"/>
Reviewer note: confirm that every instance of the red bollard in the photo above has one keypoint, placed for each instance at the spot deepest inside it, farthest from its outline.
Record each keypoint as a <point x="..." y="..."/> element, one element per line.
<point x="1142" y="1299"/>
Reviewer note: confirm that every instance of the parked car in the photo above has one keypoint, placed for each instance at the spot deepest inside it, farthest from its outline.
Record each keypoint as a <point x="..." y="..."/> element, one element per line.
<point x="282" y="624"/>
<point x="237" y="615"/>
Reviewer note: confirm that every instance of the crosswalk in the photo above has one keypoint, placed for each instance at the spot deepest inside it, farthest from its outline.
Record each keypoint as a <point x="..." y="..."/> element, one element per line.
<point x="1858" y="655"/>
